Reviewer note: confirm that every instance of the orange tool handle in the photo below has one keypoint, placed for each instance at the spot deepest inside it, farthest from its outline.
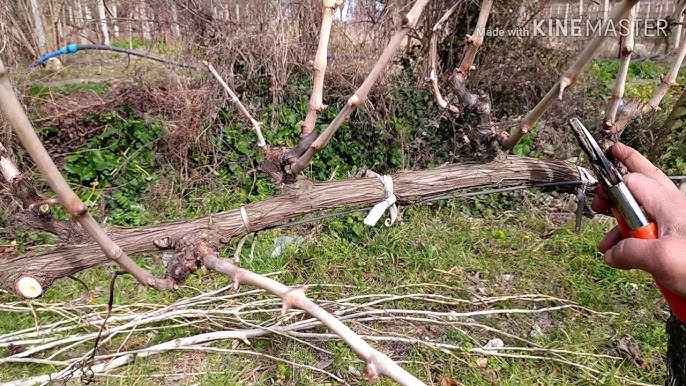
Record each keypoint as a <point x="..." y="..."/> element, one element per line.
<point x="649" y="232"/>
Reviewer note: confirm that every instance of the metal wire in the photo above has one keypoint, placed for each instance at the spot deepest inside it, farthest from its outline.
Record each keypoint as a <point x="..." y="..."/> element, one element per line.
<point x="573" y="183"/>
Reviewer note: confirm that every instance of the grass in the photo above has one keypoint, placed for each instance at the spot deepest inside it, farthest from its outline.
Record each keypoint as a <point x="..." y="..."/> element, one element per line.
<point x="44" y="91"/>
<point x="496" y="245"/>
<point x="642" y="79"/>
<point x="434" y="244"/>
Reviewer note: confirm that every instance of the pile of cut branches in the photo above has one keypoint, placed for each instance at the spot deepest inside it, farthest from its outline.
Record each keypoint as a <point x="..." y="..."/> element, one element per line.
<point x="229" y="321"/>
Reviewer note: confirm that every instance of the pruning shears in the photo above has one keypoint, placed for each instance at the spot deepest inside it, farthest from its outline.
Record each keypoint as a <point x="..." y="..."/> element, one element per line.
<point x="631" y="218"/>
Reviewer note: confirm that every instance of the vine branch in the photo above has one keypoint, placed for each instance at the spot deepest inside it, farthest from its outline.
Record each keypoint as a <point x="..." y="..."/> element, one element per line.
<point x="635" y="108"/>
<point x="319" y="69"/>
<point x="626" y="48"/>
<point x="14" y="113"/>
<point x="297" y="164"/>
<point x="433" y="59"/>
<point x="567" y="80"/>
<point x="667" y="81"/>
<point x="376" y="363"/>
<point x="474" y="41"/>
<point x="256" y="126"/>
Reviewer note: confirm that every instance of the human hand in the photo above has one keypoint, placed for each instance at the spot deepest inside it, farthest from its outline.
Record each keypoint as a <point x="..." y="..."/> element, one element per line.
<point x="664" y="258"/>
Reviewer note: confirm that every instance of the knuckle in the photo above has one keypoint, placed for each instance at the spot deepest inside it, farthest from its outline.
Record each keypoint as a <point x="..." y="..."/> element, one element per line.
<point x="614" y="257"/>
<point x="633" y="177"/>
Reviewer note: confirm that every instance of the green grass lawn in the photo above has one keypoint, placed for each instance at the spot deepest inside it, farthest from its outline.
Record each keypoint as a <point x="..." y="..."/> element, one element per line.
<point x="436" y="250"/>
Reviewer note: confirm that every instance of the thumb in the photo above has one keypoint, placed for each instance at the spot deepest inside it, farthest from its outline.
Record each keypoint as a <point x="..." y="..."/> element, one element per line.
<point x="633" y="253"/>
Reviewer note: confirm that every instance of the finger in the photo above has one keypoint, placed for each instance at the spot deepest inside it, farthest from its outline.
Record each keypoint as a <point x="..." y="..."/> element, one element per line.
<point x="637" y="163"/>
<point x="650" y="194"/>
<point x="601" y="206"/>
<point x="610" y="240"/>
<point x="633" y="253"/>
<point x="601" y="202"/>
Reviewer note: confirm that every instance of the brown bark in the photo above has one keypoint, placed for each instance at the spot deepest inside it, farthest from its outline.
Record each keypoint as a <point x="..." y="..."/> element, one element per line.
<point x="33" y="212"/>
<point x="629" y="113"/>
<point x="38" y="216"/>
<point x="304" y="198"/>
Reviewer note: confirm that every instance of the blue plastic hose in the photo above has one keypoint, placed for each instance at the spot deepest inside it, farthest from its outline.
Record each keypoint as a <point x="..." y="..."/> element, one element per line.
<point x="74" y="48"/>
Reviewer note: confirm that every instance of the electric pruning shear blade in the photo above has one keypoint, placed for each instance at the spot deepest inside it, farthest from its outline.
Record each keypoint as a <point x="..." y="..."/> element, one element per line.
<point x="631" y="218"/>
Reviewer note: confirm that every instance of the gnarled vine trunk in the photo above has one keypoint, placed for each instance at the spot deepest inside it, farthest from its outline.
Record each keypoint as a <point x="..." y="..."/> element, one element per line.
<point x="303" y="199"/>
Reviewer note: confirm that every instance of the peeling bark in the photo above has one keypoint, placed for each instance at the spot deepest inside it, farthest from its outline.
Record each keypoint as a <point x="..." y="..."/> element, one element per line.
<point x="304" y="198"/>
<point x="33" y="212"/>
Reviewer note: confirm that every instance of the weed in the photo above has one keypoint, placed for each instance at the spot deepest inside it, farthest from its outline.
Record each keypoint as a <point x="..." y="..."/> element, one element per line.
<point x="120" y="161"/>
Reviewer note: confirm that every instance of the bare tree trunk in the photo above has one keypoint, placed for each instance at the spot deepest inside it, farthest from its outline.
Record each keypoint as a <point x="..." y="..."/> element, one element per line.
<point x="38" y="25"/>
<point x="115" y="23"/>
<point x="176" y="31"/>
<point x="145" y="24"/>
<point x="15" y="32"/>
<point x="129" y="23"/>
<point x="69" y="15"/>
<point x="59" y="25"/>
<point x="86" y="21"/>
<point x="79" y="21"/>
<point x="52" y="24"/>
<point x="103" y="22"/>
<point x="87" y="16"/>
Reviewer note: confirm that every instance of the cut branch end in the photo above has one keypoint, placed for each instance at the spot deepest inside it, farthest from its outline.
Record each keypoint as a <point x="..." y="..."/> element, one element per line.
<point x="371" y="370"/>
<point x="29" y="287"/>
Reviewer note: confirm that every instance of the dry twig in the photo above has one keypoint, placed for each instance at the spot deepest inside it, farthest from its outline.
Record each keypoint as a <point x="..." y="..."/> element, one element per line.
<point x="376" y="363"/>
<point x="244" y="316"/>
<point x="256" y="126"/>
<point x="667" y="81"/>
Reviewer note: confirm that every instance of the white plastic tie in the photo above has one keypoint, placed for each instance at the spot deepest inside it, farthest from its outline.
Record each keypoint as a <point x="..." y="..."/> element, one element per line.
<point x="389" y="202"/>
<point x="586" y="177"/>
